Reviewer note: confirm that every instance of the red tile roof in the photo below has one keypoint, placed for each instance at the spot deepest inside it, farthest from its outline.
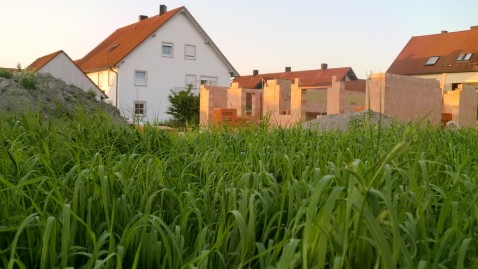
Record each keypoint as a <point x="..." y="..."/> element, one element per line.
<point x="42" y="61"/>
<point x="448" y="46"/>
<point x="308" y="78"/>
<point x="121" y="42"/>
<point x="359" y="85"/>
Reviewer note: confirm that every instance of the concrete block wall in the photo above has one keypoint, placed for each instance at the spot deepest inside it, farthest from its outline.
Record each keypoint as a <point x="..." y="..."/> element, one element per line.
<point x="405" y="98"/>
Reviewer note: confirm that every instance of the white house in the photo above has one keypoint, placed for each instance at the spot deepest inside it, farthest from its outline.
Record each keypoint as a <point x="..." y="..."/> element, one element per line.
<point x="138" y="65"/>
<point x="61" y="66"/>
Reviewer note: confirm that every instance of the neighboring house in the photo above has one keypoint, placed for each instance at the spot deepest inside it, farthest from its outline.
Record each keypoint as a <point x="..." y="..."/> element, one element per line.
<point x="61" y="66"/>
<point x="450" y="57"/>
<point x="138" y="65"/>
<point x="319" y="78"/>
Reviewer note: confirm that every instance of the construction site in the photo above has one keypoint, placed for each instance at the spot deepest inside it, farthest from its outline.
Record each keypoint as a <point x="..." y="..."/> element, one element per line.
<point x="289" y="98"/>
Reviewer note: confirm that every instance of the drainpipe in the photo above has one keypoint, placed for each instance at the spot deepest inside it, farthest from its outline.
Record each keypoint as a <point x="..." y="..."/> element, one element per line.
<point x="116" y="85"/>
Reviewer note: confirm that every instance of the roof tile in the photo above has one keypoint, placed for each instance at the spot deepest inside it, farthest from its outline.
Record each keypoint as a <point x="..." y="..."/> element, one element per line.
<point x="448" y="45"/>
<point x="120" y="43"/>
<point x="42" y="61"/>
<point x="308" y="78"/>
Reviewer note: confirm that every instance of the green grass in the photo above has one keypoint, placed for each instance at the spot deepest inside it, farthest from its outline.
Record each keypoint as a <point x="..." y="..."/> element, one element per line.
<point x="88" y="194"/>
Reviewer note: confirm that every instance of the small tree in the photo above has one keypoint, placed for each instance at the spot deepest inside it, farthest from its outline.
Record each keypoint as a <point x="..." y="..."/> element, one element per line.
<point x="184" y="106"/>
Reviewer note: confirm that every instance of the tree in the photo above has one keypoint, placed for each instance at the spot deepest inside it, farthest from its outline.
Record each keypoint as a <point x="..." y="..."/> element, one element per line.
<point x="184" y="106"/>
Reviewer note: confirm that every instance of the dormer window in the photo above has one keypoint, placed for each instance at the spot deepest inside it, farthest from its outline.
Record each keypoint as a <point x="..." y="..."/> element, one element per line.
<point x="464" y="57"/>
<point x="432" y="60"/>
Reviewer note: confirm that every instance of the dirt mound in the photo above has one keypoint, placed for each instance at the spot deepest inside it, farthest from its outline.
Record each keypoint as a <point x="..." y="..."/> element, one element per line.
<point x="345" y="121"/>
<point x="52" y="97"/>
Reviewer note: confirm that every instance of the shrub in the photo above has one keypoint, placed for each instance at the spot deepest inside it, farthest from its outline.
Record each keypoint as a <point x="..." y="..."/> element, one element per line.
<point x="28" y="81"/>
<point x="91" y="93"/>
<point x="5" y="74"/>
<point x="184" y="106"/>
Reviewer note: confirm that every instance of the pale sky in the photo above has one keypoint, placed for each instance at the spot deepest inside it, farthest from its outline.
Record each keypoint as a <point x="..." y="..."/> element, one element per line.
<point x="266" y="35"/>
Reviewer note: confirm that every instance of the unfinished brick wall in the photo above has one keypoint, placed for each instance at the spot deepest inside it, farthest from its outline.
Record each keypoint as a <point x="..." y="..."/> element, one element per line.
<point x="461" y="105"/>
<point x="247" y="102"/>
<point x="345" y="96"/>
<point x="405" y="98"/>
<point x="210" y="97"/>
<point x="279" y="103"/>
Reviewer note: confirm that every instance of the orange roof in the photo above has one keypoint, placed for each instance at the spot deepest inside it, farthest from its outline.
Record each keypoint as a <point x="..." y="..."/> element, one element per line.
<point x="308" y="78"/>
<point x="122" y="41"/>
<point x="42" y="61"/>
<point x="448" y="46"/>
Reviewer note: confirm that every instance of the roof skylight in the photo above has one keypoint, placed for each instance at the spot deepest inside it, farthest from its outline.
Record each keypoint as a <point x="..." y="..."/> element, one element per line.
<point x="432" y="60"/>
<point x="464" y="57"/>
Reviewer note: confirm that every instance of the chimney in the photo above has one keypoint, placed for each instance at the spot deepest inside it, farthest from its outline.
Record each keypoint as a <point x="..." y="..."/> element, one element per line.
<point x="474" y="27"/>
<point x="444" y="31"/>
<point x="288" y="68"/>
<point x="162" y="9"/>
<point x="323" y="66"/>
<point x="255" y="72"/>
<point x="142" y="17"/>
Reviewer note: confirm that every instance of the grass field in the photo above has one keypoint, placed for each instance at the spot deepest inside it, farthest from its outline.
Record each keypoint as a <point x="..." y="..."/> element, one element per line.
<point x="88" y="194"/>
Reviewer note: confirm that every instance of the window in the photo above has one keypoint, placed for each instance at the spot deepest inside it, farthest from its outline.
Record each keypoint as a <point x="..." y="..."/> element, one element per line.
<point x="464" y="57"/>
<point x="191" y="80"/>
<point x="208" y="81"/>
<point x="433" y="60"/>
<point x="100" y="79"/>
<point x="139" y="108"/>
<point x="111" y="78"/>
<point x="140" y="78"/>
<point x="167" y="49"/>
<point x="190" y="52"/>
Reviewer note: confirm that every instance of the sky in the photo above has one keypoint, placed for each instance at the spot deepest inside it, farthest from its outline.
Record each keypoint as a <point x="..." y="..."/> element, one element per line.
<point x="266" y="35"/>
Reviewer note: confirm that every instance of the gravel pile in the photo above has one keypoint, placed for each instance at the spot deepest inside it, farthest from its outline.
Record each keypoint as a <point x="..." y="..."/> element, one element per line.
<point x="344" y="121"/>
<point x="52" y="97"/>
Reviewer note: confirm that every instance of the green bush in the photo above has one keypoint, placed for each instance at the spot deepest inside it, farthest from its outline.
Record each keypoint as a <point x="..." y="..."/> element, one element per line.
<point x="5" y="74"/>
<point x="28" y="81"/>
<point x="184" y="106"/>
<point x="91" y="93"/>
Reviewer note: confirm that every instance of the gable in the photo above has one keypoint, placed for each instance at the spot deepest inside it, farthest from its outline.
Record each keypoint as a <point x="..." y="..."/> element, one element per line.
<point x="61" y="66"/>
<point x="448" y="47"/>
<point x="125" y="40"/>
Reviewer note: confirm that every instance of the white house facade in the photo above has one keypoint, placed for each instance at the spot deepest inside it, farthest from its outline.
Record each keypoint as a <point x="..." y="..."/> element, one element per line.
<point x="60" y="66"/>
<point x="170" y="56"/>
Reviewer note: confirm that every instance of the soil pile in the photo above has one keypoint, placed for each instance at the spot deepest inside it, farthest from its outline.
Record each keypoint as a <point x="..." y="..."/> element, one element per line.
<point x="345" y="121"/>
<point x="52" y="97"/>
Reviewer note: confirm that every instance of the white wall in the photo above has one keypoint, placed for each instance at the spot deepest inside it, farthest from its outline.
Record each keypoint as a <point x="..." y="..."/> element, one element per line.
<point x="62" y="67"/>
<point x="453" y="78"/>
<point x="108" y="84"/>
<point x="164" y="73"/>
